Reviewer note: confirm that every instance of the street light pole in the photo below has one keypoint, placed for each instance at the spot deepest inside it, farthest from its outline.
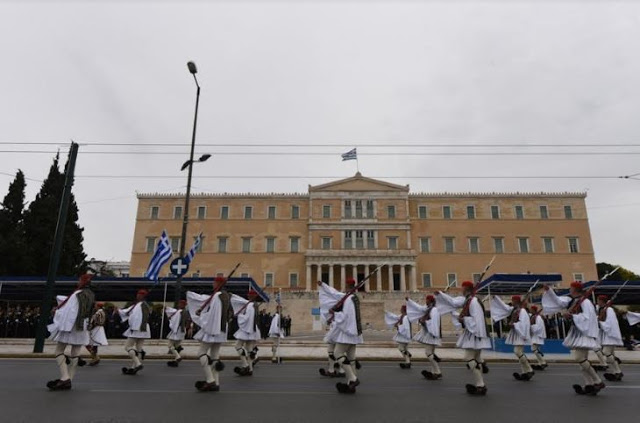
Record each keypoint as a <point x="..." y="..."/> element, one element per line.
<point x="185" y="213"/>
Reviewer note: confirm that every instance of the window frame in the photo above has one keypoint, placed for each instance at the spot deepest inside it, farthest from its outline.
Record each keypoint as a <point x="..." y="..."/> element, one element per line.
<point x="544" y="245"/>
<point x="528" y="246"/>
<point x="495" y="249"/>
<point x="224" y="212"/>
<point x="270" y="240"/>
<point x="421" y="241"/>
<point x="430" y="285"/>
<point x="577" y="249"/>
<point x="250" y="214"/>
<point x="152" y="215"/>
<point x="275" y="212"/>
<point x="297" y="282"/>
<point x="273" y="278"/>
<point x="497" y="208"/>
<point x="246" y="241"/>
<point x="295" y="215"/>
<point x="545" y="215"/>
<point x="175" y="213"/>
<point x="450" y="212"/>
<point x="517" y="207"/>
<point x="326" y="207"/>
<point x="472" y="209"/>
<point x="204" y="215"/>
<point x="453" y="244"/>
<point x="477" y="242"/>
<point x="223" y="240"/>
<point x="291" y="241"/>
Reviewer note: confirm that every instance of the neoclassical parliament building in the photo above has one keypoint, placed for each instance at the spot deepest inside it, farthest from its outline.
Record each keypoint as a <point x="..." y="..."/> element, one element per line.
<point x="348" y="227"/>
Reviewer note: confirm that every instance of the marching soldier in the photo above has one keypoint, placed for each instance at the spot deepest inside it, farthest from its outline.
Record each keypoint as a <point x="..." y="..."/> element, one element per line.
<point x="248" y="333"/>
<point x="178" y="319"/>
<point x="70" y="327"/>
<point x="583" y="335"/>
<point x="97" y="336"/>
<point x="610" y="338"/>
<point x="538" y="335"/>
<point x="430" y="333"/>
<point x="138" y="317"/>
<point x="277" y="333"/>
<point x="328" y="296"/>
<point x="212" y="314"/>
<point x="402" y="325"/>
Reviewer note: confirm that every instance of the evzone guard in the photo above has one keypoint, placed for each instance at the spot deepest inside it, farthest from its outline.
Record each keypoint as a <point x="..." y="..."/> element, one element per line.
<point x="538" y="335"/>
<point x="212" y="314"/>
<point x="178" y="319"/>
<point x="276" y="333"/>
<point x="70" y="327"/>
<point x="473" y="338"/>
<point x="329" y="296"/>
<point x="610" y="338"/>
<point x="402" y="326"/>
<point x="248" y="333"/>
<point x="430" y="333"/>
<point x="583" y="335"/>
<point x="97" y="336"/>
<point x="519" y="331"/>
<point x="346" y="315"/>
<point x="138" y="317"/>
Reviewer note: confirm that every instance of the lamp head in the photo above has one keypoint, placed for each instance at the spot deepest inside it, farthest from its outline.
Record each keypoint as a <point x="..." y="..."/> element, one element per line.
<point x="192" y="68"/>
<point x="204" y="157"/>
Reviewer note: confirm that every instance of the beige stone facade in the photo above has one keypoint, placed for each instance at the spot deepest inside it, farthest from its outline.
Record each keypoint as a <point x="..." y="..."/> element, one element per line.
<point x="349" y="227"/>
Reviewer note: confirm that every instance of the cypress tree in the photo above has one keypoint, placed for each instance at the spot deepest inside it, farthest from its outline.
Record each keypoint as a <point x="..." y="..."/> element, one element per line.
<point x="13" y="256"/>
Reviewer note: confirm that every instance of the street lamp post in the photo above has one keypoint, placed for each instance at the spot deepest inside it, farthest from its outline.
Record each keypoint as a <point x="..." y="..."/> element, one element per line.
<point x="189" y="164"/>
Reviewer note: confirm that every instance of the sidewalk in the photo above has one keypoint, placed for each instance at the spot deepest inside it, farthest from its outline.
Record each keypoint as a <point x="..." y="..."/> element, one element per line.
<point x="294" y="348"/>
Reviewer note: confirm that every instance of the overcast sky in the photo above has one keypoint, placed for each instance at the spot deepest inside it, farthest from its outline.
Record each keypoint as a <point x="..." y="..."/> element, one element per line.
<point x="325" y="72"/>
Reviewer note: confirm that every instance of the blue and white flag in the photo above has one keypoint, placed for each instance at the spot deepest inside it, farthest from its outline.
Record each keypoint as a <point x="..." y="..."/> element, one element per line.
<point x="160" y="257"/>
<point x="350" y="155"/>
<point x="192" y="252"/>
<point x="278" y="298"/>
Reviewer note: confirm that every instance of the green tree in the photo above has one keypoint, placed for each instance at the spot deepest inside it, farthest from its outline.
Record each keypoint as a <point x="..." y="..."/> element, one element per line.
<point x="621" y="275"/>
<point x="40" y="225"/>
<point x="12" y="242"/>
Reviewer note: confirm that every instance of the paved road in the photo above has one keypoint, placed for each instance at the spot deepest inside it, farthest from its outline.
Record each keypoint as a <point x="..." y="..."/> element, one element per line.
<point x="294" y="392"/>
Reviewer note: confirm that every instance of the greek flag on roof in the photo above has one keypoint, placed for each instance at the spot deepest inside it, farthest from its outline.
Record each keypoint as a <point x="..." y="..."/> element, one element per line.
<point x="160" y="257"/>
<point x="192" y="252"/>
<point x="350" y="155"/>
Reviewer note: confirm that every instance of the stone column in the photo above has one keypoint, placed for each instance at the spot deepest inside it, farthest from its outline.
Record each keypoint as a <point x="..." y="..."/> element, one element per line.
<point x="343" y="276"/>
<point x="367" y="284"/>
<point x="354" y="272"/>
<point x="308" y="281"/>
<point x="414" y="285"/>
<point x="403" y="278"/>
<point x="390" y="268"/>
<point x="331" y="275"/>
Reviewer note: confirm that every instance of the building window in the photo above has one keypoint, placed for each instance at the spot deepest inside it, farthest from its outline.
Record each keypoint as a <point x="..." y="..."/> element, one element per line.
<point x="422" y="212"/>
<point x="449" y="244"/>
<point x="293" y="280"/>
<point x="391" y="212"/>
<point x="224" y="212"/>
<point x="199" y="248"/>
<point x="452" y="279"/>
<point x="151" y="244"/>
<point x="246" y="244"/>
<point x="426" y="280"/>
<point x="295" y="212"/>
<point x="475" y="277"/>
<point x="202" y="212"/>
<point x="471" y="212"/>
<point x="573" y="245"/>
<point x="294" y="241"/>
<point x="271" y="244"/>
<point x="568" y="213"/>
<point x="326" y="211"/>
<point x="392" y="242"/>
<point x="358" y="209"/>
<point x="523" y="244"/>
<point x="175" y="244"/>
<point x="244" y="275"/>
<point x="425" y="245"/>
<point x="348" y="241"/>
<point x="474" y="245"/>
<point x="177" y="212"/>
<point x="495" y="212"/>
<point x="347" y="209"/>
<point x="326" y="243"/>
<point x="268" y="280"/>
<point x="578" y="277"/>
<point x="155" y="210"/>
<point x="248" y="212"/>
<point x="271" y="212"/>
<point x="498" y="245"/>
<point x="371" y="240"/>
<point x="370" y="209"/>
<point x="548" y="244"/>
<point x="446" y="212"/>
<point x="359" y="240"/>
<point x="222" y="244"/>
<point x="544" y="212"/>
<point x="519" y="212"/>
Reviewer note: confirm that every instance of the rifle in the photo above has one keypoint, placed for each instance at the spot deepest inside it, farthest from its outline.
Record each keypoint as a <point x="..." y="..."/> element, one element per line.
<point x="353" y="290"/>
<point x="515" y="316"/>
<point x="612" y="299"/>
<point x="574" y="307"/>
<point x="467" y="304"/>
<point x="215" y="291"/>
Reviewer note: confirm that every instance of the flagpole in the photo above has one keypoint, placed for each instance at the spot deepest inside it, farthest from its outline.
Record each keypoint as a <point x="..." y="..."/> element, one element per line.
<point x="164" y="302"/>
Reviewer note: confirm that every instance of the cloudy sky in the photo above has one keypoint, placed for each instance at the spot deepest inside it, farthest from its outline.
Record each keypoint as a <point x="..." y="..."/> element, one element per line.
<point x="322" y="73"/>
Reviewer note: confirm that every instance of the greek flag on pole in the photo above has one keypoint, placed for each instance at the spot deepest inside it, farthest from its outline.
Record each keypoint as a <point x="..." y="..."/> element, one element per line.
<point x="192" y="252"/>
<point x="160" y="257"/>
<point x="350" y="155"/>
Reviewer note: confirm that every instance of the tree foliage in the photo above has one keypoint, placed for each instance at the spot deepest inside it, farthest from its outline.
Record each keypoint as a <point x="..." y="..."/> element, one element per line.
<point x="621" y="275"/>
<point x="13" y="257"/>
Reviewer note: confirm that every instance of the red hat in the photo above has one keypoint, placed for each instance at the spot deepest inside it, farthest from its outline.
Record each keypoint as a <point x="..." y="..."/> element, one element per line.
<point x="467" y="284"/>
<point x="85" y="280"/>
<point x="516" y="299"/>
<point x="220" y="279"/>
<point x="182" y="302"/>
<point x="403" y="308"/>
<point x="431" y="298"/>
<point x="603" y="298"/>
<point x="576" y="285"/>
<point x="534" y="308"/>
<point x="142" y="292"/>
<point x="252" y="293"/>
<point x="351" y="282"/>
<point x="100" y="305"/>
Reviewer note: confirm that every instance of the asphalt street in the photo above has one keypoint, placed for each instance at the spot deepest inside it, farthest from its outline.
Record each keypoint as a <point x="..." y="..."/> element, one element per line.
<point x="295" y="392"/>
